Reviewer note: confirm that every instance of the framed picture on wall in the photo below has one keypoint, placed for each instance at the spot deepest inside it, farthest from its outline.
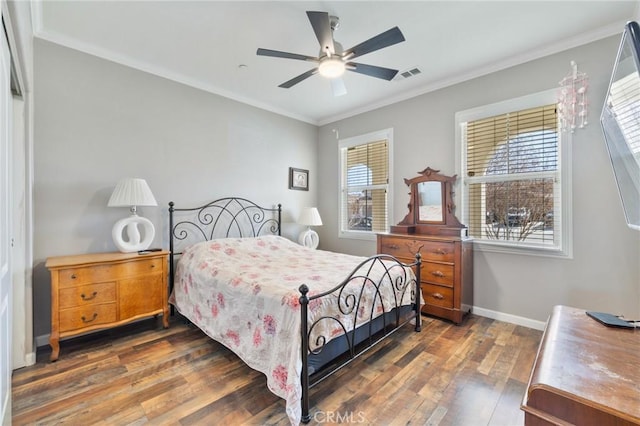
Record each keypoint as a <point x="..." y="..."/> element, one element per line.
<point x="298" y="179"/>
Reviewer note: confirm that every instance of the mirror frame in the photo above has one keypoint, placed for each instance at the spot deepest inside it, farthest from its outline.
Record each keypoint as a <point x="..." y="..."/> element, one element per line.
<point x="411" y="224"/>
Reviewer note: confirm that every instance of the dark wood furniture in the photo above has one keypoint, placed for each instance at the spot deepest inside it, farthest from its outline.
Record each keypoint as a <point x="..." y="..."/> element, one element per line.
<point x="584" y="373"/>
<point x="432" y="229"/>
<point x="103" y="290"/>
<point x="446" y="273"/>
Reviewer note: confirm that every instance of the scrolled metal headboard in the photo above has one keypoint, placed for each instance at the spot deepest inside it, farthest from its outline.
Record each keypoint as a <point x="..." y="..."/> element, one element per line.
<point x="223" y="218"/>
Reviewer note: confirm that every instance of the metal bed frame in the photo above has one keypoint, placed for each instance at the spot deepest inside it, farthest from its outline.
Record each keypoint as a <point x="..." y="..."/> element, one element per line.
<point x="238" y="217"/>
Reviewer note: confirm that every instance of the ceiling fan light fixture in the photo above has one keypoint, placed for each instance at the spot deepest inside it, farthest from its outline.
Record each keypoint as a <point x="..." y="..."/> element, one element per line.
<point x="331" y="68"/>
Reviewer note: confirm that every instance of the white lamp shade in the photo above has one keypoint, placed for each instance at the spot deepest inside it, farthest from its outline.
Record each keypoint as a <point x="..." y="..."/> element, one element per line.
<point x="310" y="217"/>
<point x="132" y="192"/>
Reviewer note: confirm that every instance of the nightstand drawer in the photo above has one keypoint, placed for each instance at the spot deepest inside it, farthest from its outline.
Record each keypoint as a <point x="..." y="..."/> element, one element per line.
<point x="87" y="316"/>
<point x="437" y="273"/>
<point x="437" y="295"/>
<point x="87" y="295"/>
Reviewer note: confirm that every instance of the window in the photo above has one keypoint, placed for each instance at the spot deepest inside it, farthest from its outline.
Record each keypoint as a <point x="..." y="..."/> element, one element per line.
<point x="364" y="190"/>
<point x="515" y="184"/>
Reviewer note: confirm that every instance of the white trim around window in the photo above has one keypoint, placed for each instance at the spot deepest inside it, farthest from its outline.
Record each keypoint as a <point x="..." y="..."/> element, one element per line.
<point x="343" y="146"/>
<point x="564" y="246"/>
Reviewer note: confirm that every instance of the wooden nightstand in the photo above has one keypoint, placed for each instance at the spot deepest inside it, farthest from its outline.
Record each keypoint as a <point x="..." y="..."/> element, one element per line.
<point x="103" y="290"/>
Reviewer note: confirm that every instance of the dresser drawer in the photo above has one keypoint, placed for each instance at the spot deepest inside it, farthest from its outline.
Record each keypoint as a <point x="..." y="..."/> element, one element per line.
<point x="437" y="295"/>
<point x="440" y="251"/>
<point x="87" y="295"/>
<point x="437" y="273"/>
<point x="87" y="316"/>
<point x="99" y="273"/>
<point x="72" y="277"/>
<point x="400" y="247"/>
<point x="140" y="267"/>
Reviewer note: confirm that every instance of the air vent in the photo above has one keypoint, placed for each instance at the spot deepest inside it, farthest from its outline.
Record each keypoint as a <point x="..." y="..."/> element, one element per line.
<point x="402" y="75"/>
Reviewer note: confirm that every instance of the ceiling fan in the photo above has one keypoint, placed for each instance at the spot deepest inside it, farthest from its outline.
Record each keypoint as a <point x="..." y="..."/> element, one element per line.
<point x="333" y="60"/>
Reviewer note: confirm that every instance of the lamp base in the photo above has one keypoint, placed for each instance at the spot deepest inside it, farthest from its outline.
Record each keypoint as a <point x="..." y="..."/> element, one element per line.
<point x="133" y="242"/>
<point x="309" y="238"/>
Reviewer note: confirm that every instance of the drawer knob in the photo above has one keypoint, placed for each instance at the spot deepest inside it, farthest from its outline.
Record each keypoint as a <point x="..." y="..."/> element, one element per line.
<point x="84" y="320"/>
<point x="440" y="251"/>
<point x="73" y="276"/>
<point x="393" y="246"/>
<point x="93" y="296"/>
<point x="437" y="274"/>
<point x="437" y="296"/>
<point x="153" y="266"/>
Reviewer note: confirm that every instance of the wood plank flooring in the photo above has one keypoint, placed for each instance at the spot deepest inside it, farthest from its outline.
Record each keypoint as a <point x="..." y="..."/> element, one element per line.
<point x="473" y="374"/>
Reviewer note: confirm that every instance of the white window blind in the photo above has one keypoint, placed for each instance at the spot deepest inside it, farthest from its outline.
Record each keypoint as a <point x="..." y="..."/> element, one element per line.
<point x="513" y="177"/>
<point x="365" y="186"/>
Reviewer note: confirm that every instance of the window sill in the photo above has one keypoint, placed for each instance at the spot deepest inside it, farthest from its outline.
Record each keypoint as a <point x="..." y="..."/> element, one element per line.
<point x="492" y="247"/>
<point x="358" y="235"/>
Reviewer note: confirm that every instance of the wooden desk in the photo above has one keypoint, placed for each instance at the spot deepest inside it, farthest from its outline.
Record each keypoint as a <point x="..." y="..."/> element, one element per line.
<point x="584" y="373"/>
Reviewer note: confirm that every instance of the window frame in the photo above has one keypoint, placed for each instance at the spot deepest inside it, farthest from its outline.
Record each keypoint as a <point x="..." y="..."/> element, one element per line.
<point x="343" y="145"/>
<point x="564" y="248"/>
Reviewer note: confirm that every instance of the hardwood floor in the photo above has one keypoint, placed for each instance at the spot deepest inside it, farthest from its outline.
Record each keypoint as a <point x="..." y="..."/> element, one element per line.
<point x="473" y="374"/>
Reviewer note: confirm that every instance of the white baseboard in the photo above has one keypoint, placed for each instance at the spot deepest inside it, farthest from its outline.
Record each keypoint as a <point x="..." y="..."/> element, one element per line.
<point x="30" y="358"/>
<point x="513" y="319"/>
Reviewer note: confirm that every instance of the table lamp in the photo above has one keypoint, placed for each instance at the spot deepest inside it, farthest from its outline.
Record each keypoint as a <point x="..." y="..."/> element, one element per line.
<point x="309" y="217"/>
<point x="131" y="192"/>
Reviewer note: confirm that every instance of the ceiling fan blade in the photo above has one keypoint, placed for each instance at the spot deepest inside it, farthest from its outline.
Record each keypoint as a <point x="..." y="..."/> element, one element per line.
<point x="286" y="55"/>
<point x="338" y="87"/>
<point x="322" y="27"/>
<point x="298" y="79"/>
<point x="385" y="39"/>
<point x="372" y="70"/>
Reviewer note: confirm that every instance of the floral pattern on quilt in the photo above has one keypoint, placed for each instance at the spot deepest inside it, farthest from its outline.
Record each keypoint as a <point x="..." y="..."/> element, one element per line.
<point x="243" y="293"/>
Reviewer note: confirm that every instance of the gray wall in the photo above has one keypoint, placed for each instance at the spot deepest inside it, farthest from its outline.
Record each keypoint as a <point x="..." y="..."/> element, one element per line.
<point x="604" y="273"/>
<point x="97" y="122"/>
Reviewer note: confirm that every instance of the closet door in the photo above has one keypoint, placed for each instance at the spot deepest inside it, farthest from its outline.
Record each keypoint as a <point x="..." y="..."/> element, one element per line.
<point x="5" y="237"/>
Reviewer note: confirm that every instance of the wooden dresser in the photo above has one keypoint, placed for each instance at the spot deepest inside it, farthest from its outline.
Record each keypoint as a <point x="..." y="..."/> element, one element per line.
<point x="584" y="373"/>
<point x="446" y="273"/>
<point x="103" y="290"/>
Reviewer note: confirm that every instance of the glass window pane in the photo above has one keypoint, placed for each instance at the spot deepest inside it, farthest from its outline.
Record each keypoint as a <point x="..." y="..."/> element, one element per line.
<point x="520" y="210"/>
<point x="366" y="210"/>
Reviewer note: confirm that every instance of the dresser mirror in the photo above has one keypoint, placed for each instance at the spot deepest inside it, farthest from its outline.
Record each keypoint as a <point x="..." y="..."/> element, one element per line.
<point x="430" y="202"/>
<point x="430" y="205"/>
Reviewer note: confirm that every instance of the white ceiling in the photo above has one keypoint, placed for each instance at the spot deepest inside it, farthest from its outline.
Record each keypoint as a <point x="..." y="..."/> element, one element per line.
<point x="203" y="43"/>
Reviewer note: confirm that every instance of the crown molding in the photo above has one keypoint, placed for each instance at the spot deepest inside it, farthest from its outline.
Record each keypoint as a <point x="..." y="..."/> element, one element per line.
<point x="586" y="38"/>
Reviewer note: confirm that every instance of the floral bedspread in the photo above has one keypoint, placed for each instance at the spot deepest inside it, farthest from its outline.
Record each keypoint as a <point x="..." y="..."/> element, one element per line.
<point x="243" y="293"/>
